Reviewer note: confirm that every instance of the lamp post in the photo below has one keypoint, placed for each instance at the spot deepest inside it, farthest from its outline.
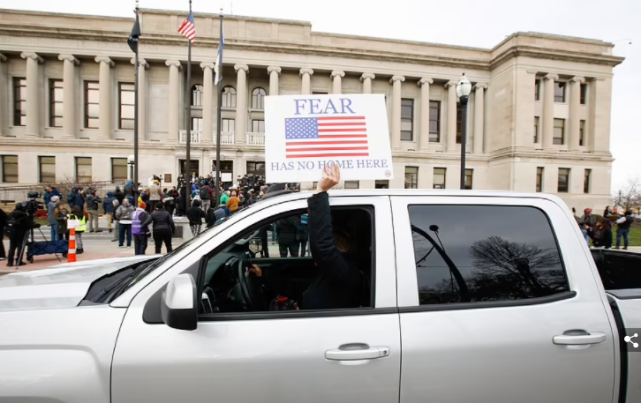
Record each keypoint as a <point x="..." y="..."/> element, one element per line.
<point x="131" y="161"/>
<point x="463" y="90"/>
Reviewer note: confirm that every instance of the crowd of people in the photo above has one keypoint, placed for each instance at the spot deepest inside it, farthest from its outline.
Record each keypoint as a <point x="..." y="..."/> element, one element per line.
<point x="599" y="231"/>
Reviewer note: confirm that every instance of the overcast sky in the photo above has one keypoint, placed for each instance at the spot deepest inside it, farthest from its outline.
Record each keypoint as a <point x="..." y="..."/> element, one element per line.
<point x="479" y="23"/>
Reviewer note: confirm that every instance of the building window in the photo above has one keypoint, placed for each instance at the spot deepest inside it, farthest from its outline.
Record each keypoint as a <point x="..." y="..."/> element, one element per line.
<point x="537" y="89"/>
<point x="489" y="256"/>
<point x="536" y="129"/>
<point x="256" y="168"/>
<point x="83" y="169"/>
<point x="559" y="131"/>
<point x="197" y="95"/>
<point x="47" y="169"/>
<point x="435" y="121"/>
<point x="564" y="180"/>
<point x="439" y="178"/>
<point x="559" y="92"/>
<point x="127" y="96"/>
<point x="20" y="102"/>
<point x="539" y="179"/>
<point x="118" y="169"/>
<point x="197" y="124"/>
<point x="411" y="177"/>
<point x="586" y="180"/>
<point x="55" y="103"/>
<point x="92" y="104"/>
<point x="258" y="98"/>
<point x="351" y="184"/>
<point x="379" y="184"/>
<point x="320" y="92"/>
<point x="407" y="119"/>
<point x="258" y="126"/>
<point x="459" y="123"/>
<point x="584" y="94"/>
<point x="9" y="168"/>
<point x="229" y="126"/>
<point x="229" y="97"/>
<point x="469" y="173"/>
<point x="581" y="132"/>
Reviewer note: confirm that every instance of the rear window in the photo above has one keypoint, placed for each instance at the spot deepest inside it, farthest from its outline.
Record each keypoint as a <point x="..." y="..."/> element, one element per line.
<point x="484" y="253"/>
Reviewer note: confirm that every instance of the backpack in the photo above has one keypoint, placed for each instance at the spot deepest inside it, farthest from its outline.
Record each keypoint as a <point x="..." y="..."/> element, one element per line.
<point x="12" y="226"/>
<point x="204" y="193"/>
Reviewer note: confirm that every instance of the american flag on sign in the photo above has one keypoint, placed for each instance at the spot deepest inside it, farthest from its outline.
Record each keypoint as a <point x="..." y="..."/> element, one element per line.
<point x="326" y="137"/>
<point x="188" y="28"/>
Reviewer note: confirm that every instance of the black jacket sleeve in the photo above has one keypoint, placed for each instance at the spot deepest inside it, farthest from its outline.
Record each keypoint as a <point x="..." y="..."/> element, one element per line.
<point x="326" y="255"/>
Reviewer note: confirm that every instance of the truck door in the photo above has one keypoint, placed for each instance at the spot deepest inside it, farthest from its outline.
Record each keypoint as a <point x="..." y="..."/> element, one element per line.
<point x="329" y="355"/>
<point x="497" y="304"/>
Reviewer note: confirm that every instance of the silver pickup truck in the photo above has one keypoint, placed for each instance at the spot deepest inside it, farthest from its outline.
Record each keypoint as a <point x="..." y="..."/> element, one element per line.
<point x="466" y="297"/>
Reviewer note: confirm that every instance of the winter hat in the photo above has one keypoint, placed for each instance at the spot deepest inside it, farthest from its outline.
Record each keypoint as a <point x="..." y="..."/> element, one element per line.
<point x="142" y="205"/>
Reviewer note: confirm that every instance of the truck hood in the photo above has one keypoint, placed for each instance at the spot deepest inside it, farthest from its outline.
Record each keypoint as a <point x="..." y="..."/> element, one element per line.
<point x="59" y="286"/>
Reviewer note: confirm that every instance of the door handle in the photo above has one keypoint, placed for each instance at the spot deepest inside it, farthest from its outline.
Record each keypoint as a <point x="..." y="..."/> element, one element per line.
<point x="579" y="339"/>
<point x="352" y="354"/>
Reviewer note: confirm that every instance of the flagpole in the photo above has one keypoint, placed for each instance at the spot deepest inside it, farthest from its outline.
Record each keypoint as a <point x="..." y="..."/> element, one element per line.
<point x="188" y="139"/>
<point x="135" y="187"/>
<point x="219" y="89"/>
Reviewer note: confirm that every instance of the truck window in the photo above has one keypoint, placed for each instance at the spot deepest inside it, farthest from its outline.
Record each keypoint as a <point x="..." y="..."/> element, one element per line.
<point x="484" y="253"/>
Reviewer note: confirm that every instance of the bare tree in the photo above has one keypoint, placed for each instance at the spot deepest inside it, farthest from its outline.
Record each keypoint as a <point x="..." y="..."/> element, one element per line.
<point x="629" y="195"/>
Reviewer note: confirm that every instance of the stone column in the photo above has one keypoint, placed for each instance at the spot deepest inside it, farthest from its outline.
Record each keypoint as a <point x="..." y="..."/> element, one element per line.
<point x="451" y="115"/>
<point x="241" y="102"/>
<point x="142" y="98"/>
<point x="424" y="137"/>
<point x="104" y="117"/>
<point x="306" y="82"/>
<point x="479" y="113"/>
<point x="367" y="78"/>
<point x="173" y="117"/>
<point x="208" y="102"/>
<point x="548" y="112"/>
<point x="33" y="100"/>
<point x="69" y="95"/>
<point x="396" y="111"/>
<point x="575" y="118"/>
<point x="3" y="85"/>
<point x="337" y="87"/>
<point x="274" y="73"/>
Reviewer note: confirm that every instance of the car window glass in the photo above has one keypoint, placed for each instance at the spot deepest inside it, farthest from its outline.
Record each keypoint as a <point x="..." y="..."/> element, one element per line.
<point x="484" y="253"/>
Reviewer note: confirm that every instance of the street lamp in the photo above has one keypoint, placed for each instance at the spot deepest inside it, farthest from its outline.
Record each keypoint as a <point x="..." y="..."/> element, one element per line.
<point x="131" y="161"/>
<point x="463" y="90"/>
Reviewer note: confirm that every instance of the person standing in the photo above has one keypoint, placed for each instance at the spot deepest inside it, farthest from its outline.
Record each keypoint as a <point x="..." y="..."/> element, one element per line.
<point x="587" y="223"/>
<point x="15" y="228"/>
<point x="287" y="229"/>
<point x="108" y="207"/>
<point x="169" y="202"/>
<point x="124" y="215"/>
<point x="607" y="212"/>
<point x="78" y="214"/>
<point x="139" y="231"/>
<point x="49" y="193"/>
<point x="302" y="235"/>
<point x="3" y="222"/>
<point x="93" y="204"/>
<point x="224" y="198"/>
<point x="195" y="215"/>
<point x="233" y="202"/>
<point x="163" y="227"/>
<point x="116" y="235"/>
<point x="74" y="198"/>
<point x="51" y="210"/>
<point x="206" y="194"/>
<point x="623" y="229"/>
<point x="154" y="195"/>
<point x="119" y="195"/>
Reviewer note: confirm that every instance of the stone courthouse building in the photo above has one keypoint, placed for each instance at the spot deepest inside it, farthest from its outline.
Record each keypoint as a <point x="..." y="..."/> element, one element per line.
<point x="538" y="118"/>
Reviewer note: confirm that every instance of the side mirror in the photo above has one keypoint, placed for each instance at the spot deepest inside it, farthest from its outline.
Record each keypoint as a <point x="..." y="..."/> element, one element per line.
<point x="255" y="245"/>
<point x="178" y="306"/>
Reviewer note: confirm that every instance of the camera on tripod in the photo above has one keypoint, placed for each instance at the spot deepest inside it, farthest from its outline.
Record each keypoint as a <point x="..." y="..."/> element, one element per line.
<point x="31" y="205"/>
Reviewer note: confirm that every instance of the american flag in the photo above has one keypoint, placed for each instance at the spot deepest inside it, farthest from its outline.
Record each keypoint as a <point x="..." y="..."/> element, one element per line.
<point x="188" y="28"/>
<point x="326" y="137"/>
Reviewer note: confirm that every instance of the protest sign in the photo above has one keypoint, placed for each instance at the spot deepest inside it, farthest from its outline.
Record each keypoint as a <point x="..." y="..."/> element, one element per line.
<point x="304" y="133"/>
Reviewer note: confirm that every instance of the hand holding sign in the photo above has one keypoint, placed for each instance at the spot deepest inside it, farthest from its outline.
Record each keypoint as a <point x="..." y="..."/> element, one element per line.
<point x="306" y="133"/>
<point x="331" y="177"/>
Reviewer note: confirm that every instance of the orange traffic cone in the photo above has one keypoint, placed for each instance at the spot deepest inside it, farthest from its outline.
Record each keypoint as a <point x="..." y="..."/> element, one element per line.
<point x="71" y="254"/>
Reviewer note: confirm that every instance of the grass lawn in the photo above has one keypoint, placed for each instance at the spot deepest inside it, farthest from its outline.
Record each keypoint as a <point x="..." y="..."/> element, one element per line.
<point x="635" y="235"/>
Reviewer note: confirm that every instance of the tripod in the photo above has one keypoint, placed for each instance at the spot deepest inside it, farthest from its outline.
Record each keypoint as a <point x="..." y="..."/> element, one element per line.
<point x="25" y="241"/>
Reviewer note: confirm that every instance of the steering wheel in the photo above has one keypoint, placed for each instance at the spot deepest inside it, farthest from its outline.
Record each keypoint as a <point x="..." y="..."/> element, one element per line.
<point x="250" y="286"/>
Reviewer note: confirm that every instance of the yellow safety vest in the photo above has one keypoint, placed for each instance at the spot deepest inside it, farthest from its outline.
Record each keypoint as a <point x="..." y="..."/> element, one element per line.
<point x="83" y="223"/>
